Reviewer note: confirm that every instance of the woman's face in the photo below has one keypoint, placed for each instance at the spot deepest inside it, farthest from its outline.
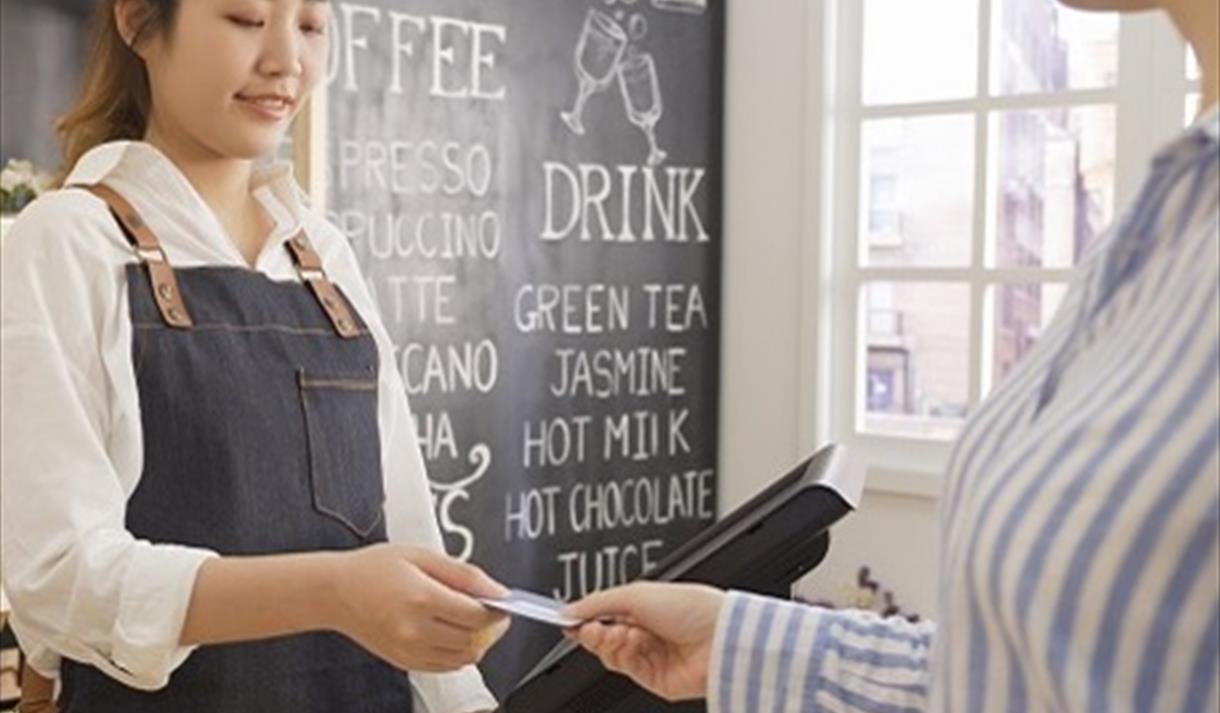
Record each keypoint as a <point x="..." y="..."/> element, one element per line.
<point x="231" y="74"/>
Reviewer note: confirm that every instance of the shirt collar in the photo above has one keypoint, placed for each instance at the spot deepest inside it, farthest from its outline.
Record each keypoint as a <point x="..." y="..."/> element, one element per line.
<point x="160" y="191"/>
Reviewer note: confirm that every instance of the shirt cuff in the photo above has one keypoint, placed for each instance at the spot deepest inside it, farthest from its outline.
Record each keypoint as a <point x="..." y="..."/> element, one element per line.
<point x="762" y="651"/>
<point x="461" y="691"/>
<point x="156" y="595"/>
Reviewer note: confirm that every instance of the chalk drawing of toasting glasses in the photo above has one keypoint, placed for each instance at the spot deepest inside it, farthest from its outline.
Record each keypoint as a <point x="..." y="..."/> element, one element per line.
<point x="601" y="46"/>
<point x="637" y="77"/>
<point x="690" y="7"/>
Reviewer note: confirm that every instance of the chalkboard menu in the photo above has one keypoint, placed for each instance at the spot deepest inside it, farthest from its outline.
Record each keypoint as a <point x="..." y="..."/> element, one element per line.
<point x="533" y="190"/>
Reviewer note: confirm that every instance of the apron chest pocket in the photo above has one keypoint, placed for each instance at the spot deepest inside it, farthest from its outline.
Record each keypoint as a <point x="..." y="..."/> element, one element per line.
<point x="344" y="448"/>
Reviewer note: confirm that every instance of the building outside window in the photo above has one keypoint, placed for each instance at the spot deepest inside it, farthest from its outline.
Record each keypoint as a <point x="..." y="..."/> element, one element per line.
<point x="972" y="170"/>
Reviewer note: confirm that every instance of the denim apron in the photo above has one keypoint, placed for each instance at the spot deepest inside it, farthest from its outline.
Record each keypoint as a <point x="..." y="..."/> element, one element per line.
<point x="258" y="404"/>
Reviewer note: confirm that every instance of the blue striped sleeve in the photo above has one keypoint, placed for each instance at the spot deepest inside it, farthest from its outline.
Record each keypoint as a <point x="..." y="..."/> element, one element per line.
<point x="771" y="656"/>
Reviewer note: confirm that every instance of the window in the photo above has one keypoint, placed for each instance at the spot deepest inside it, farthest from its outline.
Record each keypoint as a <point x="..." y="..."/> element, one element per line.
<point x="884" y="218"/>
<point x="972" y="167"/>
<point x="930" y="169"/>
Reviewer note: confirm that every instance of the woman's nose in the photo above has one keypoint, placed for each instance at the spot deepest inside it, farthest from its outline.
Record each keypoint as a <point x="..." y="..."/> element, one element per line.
<point x="281" y="53"/>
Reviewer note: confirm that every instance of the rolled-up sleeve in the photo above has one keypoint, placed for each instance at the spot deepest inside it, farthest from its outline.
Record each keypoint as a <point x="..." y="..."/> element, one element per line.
<point x="772" y="655"/>
<point x="81" y="585"/>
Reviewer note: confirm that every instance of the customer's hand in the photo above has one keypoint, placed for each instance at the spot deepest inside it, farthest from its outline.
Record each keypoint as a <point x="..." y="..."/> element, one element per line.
<point x="415" y="608"/>
<point x="659" y="635"/>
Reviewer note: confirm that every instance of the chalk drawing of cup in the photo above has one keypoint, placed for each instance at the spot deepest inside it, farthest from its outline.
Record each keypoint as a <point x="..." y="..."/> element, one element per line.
<point x="598" y="54"/>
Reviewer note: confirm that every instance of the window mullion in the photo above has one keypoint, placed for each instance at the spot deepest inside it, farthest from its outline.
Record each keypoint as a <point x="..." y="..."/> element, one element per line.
<point x="1003" y="102"/>
<point x="981" y="210"/>
<point x="961" y="274"/>
<point x="845" y="251"/>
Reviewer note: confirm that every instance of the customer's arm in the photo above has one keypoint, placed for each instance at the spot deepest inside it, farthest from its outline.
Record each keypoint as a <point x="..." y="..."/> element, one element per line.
<point x="746" y="653"/>
<point x="767" y="650"/>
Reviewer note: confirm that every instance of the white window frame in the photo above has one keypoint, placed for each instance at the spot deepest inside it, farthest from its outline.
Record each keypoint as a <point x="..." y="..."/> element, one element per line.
<point x="1149" y="101"/>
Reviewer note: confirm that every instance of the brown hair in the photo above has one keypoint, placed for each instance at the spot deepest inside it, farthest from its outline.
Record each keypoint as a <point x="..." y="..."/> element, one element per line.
<point x="114" y="100"/>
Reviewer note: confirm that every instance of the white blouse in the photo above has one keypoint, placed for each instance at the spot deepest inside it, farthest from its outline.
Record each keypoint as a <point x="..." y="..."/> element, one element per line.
<point x="81" y="585"/>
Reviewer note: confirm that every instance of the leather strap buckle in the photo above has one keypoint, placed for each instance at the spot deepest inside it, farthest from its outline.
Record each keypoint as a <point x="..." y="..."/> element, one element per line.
<point x="151" y="254"/>
<point x="309" y="267"/>
<point x="161" y="278"/>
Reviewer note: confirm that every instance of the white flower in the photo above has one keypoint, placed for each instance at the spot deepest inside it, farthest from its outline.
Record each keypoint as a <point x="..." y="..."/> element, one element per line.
<point x="17" y="173"/>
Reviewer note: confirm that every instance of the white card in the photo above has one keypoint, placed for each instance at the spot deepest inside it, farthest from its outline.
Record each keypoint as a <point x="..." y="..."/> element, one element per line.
<point x="532" y="606"/>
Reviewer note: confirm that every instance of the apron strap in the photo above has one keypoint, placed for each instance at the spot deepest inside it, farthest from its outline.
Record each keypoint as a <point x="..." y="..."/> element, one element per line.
<point x="165" y="285"/>
<point x="152" y="256"/>
<point x="309" y="265"/>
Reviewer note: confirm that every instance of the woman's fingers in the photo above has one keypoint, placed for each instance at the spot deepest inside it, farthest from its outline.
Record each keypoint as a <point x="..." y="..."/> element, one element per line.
<point x="457" y="608"/>
<point x="589" y="636"/>
<point x="606" y="604"/>
<point x="646" y="652"/>
<point x="640" y="642"/>
<point x="620" y="648"/>
<point x="450" y="638"/>
<point x="489" y="635"/>
<point x="669" y="669"/>
<point x="415" y="608"/>
<point x="618" y="655"/>
<point x="676" y="613"/>
<point x="467" y="644"/>
<point x="457" y="575"/>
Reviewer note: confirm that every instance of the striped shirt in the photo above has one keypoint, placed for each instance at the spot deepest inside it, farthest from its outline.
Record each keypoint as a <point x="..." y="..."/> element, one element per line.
<point x="1080" y="547"/>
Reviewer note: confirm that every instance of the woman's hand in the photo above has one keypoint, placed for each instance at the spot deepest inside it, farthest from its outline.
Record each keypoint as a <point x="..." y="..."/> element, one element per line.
<point x="415" y="608"/>
<point x="659" y="635"/>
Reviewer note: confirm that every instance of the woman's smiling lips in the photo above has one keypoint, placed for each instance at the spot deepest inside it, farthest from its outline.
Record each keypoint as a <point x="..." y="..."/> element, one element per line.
<point x="271" y="107"/>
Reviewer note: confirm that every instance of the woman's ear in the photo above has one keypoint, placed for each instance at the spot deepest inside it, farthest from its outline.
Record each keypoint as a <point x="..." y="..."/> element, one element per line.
<point x="130" y="17"/>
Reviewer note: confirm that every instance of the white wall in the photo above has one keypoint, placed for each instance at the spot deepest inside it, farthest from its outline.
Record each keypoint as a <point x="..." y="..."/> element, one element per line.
<point x="762" y="219"/>
<point x="772" y="212"/>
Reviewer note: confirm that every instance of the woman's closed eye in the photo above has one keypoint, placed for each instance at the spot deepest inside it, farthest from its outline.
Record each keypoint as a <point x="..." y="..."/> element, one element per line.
<point x="309" y="28"/>
<point x="314" y="18"/>
<point x="246" y="22"/>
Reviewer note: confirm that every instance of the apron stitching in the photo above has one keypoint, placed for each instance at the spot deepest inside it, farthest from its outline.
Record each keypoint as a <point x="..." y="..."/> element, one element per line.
<point x="224" y="326"/>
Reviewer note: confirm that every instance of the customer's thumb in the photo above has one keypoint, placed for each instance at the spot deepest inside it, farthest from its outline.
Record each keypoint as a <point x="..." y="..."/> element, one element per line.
<point x="611" y="604"/>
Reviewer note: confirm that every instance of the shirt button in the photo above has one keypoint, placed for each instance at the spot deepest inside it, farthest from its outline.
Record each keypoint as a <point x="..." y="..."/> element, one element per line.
<point x="165" y="290"/>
